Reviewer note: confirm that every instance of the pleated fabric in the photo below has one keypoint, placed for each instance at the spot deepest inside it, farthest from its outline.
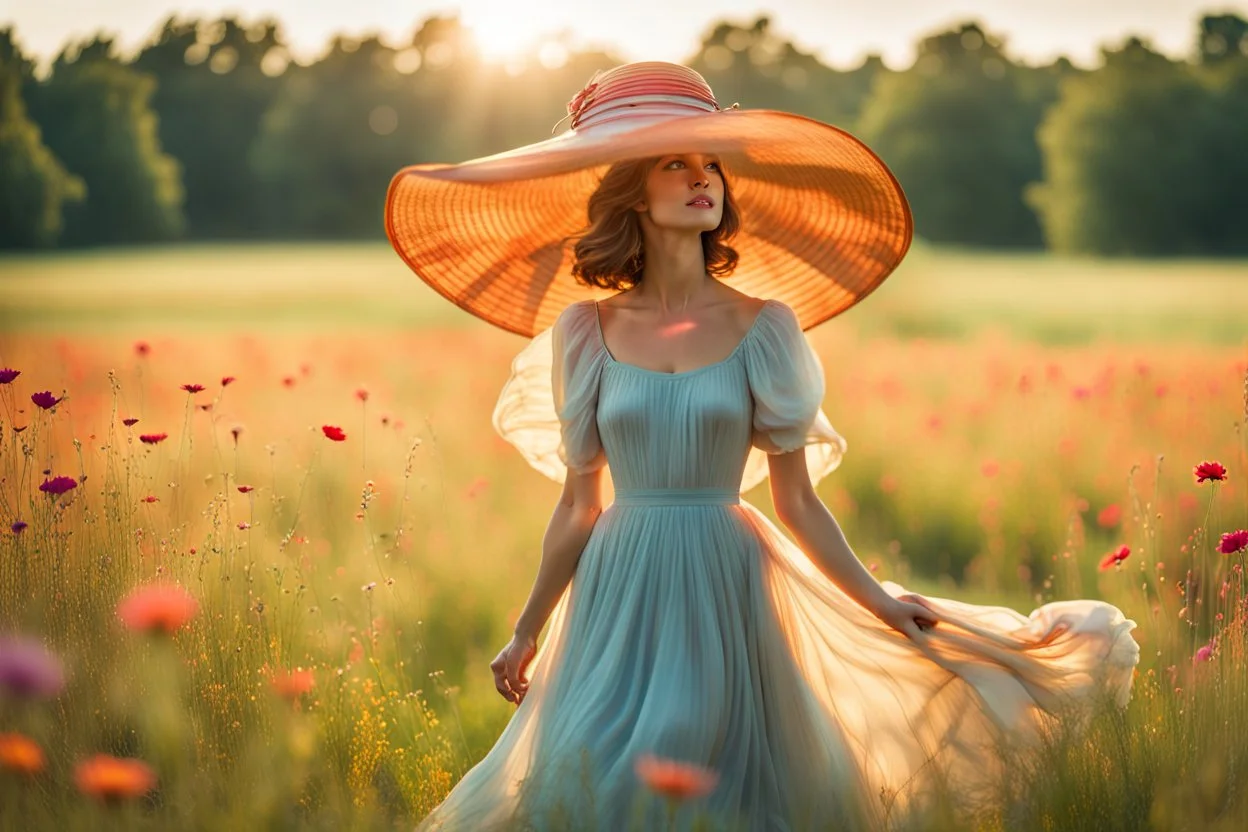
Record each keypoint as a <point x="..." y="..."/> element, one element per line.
<point x="694" y="629"/>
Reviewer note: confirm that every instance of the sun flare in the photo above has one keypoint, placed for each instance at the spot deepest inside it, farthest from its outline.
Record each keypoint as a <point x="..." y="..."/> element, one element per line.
<point x="506" y="32"/>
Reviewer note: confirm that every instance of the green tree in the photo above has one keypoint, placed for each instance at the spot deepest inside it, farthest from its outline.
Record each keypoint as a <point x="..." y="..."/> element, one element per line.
<point x="1222" y="46"/>
<point x="958" y="129"/>
<point x="34" y="185"/>
<point x="754" y="66"/>
<point x="1125" y="147"/>
<point x="336" y="133"/>
<point x="94" y="114"/>
<point x="215" y="80"/>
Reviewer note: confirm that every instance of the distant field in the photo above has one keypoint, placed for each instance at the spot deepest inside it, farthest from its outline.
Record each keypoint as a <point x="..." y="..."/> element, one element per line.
<point x="934" y="294"/>
<point x="1011" y="420"/>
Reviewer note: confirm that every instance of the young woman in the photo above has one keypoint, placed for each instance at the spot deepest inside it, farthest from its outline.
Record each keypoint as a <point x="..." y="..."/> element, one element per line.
<point x="682" y="623"/>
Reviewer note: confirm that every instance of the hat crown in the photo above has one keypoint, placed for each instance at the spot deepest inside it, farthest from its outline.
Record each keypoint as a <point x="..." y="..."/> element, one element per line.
<point x="641" y="89"/>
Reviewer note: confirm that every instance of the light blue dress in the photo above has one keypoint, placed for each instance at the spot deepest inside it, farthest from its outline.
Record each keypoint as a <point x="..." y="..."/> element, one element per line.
<point x="695" y="630"/>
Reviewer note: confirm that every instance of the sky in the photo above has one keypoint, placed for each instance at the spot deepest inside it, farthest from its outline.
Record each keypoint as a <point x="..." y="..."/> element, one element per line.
<point x="840" y="32"/>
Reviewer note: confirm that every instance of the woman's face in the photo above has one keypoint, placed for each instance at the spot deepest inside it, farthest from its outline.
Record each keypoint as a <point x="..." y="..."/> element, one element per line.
<point x="684" y="191"/>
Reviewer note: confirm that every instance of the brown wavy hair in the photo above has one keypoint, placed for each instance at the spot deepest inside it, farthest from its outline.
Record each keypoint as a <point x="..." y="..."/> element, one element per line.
<point x="610" y="252"/>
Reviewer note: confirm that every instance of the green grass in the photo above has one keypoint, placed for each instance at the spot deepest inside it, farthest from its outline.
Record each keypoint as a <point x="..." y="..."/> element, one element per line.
<point x="934" y="294"/>
<point x="994" y="406"/>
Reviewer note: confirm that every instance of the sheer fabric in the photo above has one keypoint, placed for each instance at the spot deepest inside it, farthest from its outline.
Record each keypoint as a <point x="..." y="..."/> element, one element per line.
<point x="695" y="629"/>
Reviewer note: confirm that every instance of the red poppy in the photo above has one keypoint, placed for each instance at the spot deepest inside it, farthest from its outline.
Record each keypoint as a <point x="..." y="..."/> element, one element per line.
<point x="1115" y="557"/>
<point x="361" y="394"/>
<point x="129" y="422"/>
<point x="157" y="608"/>
<point x="244" y="489"/>
<point x="21" y="755"/>
<point x="1109" y="516"/>
<point x="289" y="381"/>
<point x="292" y="684"/>
<point x="142" y="348"/>
<point x="152" y="438"/>
<point x="1233" y="542"/>
<point x="192" y="388"/>
<point x="225" y="380"/>
<point x="105" y="777"/>
<point x="150" y="498"/>
<point x="673" y="779"/>
<point x="58" y="485"/>
<point x="333" y="432"/>
<point x="45" y="399"/>
<point x="1214" y="471"/>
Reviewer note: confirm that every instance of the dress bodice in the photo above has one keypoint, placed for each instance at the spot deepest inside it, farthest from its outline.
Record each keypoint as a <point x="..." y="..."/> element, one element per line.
<point x="569" y="403"/>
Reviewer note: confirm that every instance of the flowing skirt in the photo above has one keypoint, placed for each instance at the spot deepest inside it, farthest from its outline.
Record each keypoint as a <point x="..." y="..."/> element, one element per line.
<point x="702" y="634"/>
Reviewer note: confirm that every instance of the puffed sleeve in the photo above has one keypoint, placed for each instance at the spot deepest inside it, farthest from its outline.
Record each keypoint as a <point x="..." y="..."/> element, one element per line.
<point x="787" y="385"/>
<point x="548" y="408"/>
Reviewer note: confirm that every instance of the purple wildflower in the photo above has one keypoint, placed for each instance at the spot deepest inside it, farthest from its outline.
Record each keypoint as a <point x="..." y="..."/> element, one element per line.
<point x="45" y="399"/>
<point x="7" y="375"/>
<point x="18" y="526"/>
<point x="28" y="670"/>
<point x="58" y="485"/>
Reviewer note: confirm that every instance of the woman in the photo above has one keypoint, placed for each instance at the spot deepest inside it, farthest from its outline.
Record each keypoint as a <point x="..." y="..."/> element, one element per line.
<point x="682" y="623"/>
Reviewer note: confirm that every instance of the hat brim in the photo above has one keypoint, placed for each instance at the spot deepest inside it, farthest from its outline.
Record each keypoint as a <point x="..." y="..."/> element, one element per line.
<point x="823" y="220"/>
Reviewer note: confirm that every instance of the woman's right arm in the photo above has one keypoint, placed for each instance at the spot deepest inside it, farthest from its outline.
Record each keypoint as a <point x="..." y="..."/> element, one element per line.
<point x="573" y="520"/>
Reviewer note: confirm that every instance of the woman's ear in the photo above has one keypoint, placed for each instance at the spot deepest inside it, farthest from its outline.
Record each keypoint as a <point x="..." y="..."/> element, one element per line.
<point x="640" y="206"/>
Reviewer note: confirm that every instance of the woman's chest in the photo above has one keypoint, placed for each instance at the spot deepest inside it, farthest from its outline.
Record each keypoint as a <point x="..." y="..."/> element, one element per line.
<point x="714" y="402"/>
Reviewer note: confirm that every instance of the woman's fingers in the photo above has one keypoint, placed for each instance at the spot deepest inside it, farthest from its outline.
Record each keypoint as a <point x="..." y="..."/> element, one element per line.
<point x="501" y="683"/>
<point x="921" y="612"/>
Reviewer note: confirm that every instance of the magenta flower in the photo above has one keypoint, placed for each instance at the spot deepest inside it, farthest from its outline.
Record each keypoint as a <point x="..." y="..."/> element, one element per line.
<point x="18" y="526"/>
<point x="45" y="399"/>
<point x="1232" y="542"/>
<point x="7" y="375"/>
<point x="1204" y="654"/>
<point x="58" y="485"/>
<point x="192" y="388"/>
<point x="131" y="422"/>
<point x="28" y="670"/>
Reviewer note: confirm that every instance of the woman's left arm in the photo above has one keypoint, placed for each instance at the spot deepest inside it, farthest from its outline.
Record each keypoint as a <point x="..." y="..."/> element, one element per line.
<point x="819" y="535"/>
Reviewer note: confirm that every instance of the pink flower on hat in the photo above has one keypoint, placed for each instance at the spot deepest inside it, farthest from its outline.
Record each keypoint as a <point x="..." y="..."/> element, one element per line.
<point x="578" y="101"/>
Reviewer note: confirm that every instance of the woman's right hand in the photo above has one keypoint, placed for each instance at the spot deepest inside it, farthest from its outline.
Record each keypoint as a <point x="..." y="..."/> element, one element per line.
<point x="510" y="667"/>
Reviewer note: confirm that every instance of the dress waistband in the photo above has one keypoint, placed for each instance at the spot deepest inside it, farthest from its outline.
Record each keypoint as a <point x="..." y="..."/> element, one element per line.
<point x="677" y="496"/>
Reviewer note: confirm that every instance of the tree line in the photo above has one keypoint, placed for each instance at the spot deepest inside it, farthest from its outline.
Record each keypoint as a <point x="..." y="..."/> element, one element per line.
<point x="212" y="132"/>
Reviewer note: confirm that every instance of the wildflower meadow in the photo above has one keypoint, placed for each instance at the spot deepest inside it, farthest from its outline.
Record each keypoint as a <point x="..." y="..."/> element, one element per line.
<point x="255" y="555"/>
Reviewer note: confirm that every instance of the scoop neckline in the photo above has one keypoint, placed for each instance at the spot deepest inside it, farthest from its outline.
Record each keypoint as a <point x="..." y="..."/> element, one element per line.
<point x="602" y="342"/>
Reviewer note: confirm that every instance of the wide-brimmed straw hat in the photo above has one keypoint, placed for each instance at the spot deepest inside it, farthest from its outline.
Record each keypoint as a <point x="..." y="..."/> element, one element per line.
<point x="823" y="220"/>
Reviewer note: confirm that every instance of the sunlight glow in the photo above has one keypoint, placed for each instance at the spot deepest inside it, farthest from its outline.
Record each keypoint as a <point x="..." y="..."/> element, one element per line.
<point x="508" y="32"/>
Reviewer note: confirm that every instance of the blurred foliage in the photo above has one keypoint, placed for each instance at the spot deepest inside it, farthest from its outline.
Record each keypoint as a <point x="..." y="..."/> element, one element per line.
<point x="95" y="116"/>
<point x="213" y="131"/>
<point x="958" y="129"/>
<point x="1146" y="157"/>
<point x="36" y="184"/>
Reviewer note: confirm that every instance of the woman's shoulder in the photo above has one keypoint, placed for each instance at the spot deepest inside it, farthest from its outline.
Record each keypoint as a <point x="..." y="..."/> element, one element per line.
<point x="574" y="312"/>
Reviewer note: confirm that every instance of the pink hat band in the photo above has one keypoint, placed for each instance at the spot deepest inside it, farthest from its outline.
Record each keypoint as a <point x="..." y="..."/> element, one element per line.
<point x="638" y="91"/>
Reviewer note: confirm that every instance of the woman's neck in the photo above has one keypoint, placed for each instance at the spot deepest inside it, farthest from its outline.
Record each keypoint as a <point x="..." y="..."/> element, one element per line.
<point x="674" y="273"/>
